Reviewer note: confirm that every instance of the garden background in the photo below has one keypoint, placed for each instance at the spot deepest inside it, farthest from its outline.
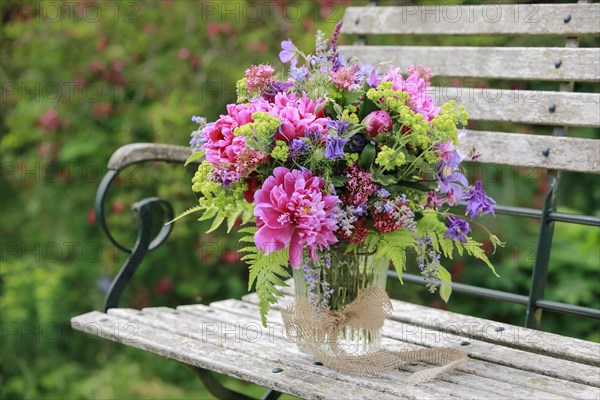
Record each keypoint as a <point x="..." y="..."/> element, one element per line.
<point x="81" y="78"/>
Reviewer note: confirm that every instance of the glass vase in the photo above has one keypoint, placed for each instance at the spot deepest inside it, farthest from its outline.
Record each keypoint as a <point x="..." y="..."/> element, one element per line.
<point x="333" y="281"/>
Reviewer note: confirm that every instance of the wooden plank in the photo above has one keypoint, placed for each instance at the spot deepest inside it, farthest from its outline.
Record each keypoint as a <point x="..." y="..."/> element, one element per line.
<point x="510" y="357"/>
<point x="564" y="153"/>
<point x="530" y="340"/>
<point x="524" y="106"/>
<point x="208" y="355"/>
<point x="251" y="341"/>
<point x="507" y="335"/>
<point x="138" y="152"/>
<point x="242" y="333"/>
<point x="531" y="63"/>
<point x="522" y="19"/>
<point x="526" y="379"/>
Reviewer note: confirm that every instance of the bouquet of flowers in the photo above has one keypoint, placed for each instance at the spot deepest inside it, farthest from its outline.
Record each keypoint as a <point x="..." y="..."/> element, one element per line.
<point x="337" y="154"/>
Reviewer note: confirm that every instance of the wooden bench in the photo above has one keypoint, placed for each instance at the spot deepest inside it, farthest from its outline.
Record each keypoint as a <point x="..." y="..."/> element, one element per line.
<point x="506" y="361"/>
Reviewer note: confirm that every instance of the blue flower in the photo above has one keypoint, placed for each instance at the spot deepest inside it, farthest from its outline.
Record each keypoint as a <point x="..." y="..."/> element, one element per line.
<point x="298" y="74"/>
<point x="457" y="229"/>
<point x="334" y="147"/>
<point x="383" y="193"/>
<point x="478" y="202"/>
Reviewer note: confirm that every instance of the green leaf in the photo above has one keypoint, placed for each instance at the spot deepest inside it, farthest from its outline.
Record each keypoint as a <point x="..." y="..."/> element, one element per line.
<point x="194" y="157"/>
<point x="446" y="288"/>
<point x="380" y="177"/>
<point x="339" y="181"/>
<point x="367" y="157"/>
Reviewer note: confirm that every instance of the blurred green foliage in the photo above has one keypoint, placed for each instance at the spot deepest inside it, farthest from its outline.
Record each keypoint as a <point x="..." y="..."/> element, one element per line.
<point x="80" y="81"/>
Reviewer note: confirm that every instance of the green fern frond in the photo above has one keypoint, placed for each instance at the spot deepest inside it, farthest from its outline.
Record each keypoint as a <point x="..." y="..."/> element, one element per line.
<point x="268" y="271"/>
<point x="186" y="212"/>
<point x="216" y="222"/>
<point x="393" y="245"/>
<point x="475" y="249"/>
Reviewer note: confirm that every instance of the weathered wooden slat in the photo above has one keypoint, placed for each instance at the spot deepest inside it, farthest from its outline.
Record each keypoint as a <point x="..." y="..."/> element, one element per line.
<point x="526" y="379"/>
<point x="242" y="333"/>
<point x="524" y="106"/>
<point x="138" y="152"/>
<point x="515" y="358"/>
<point x="522" y="19"/>
<point x="206" y="354"/>
<point x="531" y="340"/>
<point x="534" y="63"/>
<point x="562" y="153"/>
<point x="250" y="340"/>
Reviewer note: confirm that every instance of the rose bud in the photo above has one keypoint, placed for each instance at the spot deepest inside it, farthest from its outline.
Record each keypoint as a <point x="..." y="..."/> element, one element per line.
<point x="378" y="122"/>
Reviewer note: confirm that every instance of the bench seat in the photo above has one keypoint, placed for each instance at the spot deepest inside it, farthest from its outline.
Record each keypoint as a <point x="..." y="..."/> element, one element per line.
<point x="506" y="361"/>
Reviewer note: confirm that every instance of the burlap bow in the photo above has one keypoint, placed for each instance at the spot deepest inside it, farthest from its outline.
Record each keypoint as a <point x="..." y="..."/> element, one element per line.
<point x="368" y="311"/>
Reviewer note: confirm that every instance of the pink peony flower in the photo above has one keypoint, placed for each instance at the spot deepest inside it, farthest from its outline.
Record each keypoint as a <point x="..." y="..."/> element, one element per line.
<point x="292" y="210"/>
<point x="222" y="146"/>
<point x="378" y="122"/>
<point x="297" y="115"/>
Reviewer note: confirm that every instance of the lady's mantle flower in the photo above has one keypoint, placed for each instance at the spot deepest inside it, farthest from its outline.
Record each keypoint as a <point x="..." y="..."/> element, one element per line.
<point x="478" y="202"/>
<point x="457" y="229"/>
<point x="289" y="53"/>
<point x="292" y="210"/>
<point x="335" y="147"/>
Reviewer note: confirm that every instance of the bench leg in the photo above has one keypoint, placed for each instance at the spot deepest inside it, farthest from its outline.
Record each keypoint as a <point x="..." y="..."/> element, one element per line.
<point x="221" y="392"/>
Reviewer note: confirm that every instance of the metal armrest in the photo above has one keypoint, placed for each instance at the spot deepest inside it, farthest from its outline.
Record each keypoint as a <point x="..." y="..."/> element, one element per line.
<point x="121" y="159"/>
<point x="139" y="152"/>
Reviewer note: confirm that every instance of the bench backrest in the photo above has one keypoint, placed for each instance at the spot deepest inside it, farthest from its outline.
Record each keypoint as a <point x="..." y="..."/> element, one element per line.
<point x="561" y="108"/>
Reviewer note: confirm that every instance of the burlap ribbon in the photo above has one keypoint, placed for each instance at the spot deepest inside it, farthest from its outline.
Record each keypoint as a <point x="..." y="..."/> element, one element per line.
<point x="368" y="311"/>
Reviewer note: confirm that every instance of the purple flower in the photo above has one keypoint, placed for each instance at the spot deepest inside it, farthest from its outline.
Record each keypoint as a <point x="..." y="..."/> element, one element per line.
<point x="384" y="193"/>
<point x="335" y="147"/>
<point x="340" y="127"/>
<point x="451" y="181"/>
<point x="374" y="79"/>
<point x="457" y="229"/>
<point x="478" y="202"/>
<point x="298" y="147"/>
<point x="378" y="122"/>
<point x="289" y="53"/>
<point x="360" y="210"/>
<point x="268" y="93"/>
<point x="357" y="143"/>
<point x="433" y="201"/>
